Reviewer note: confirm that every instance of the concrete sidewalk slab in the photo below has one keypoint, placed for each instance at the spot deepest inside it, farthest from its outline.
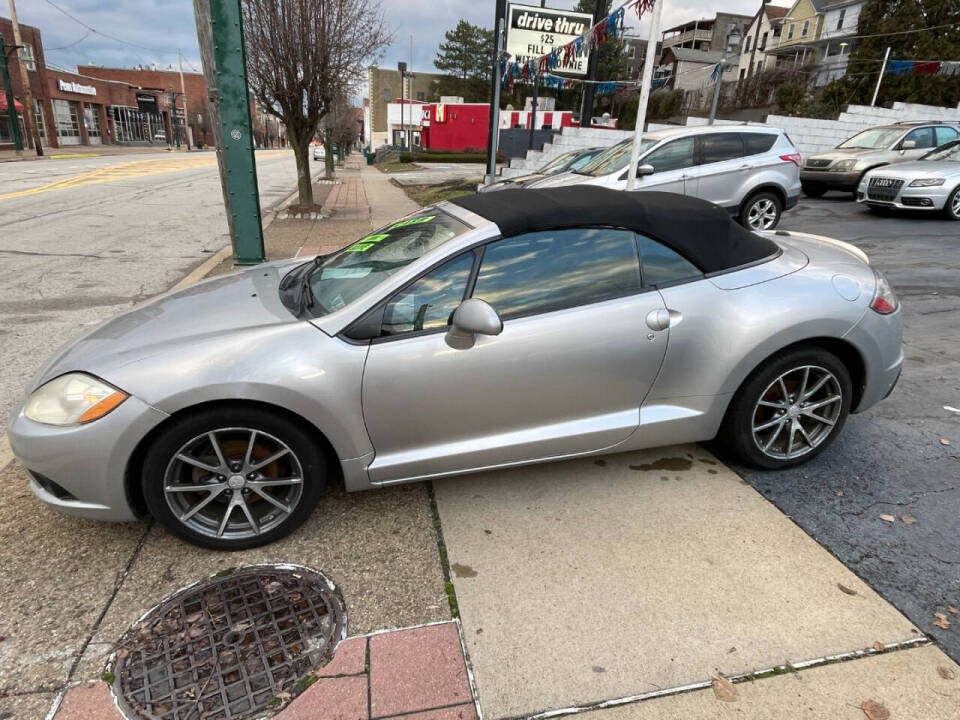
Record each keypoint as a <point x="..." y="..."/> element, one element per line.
<point x="599" y="578"/>
<point x="908" y="684"/>
<point x="379" y="548"/>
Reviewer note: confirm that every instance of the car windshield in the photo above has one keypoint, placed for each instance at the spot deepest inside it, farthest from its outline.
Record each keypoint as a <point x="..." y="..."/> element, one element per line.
<point x="558" y="163"/>
<point x="615" y="158"/>
<point x="950" y="151"/>
<point x="873" y="139"/>
<point x="346" y="275"/>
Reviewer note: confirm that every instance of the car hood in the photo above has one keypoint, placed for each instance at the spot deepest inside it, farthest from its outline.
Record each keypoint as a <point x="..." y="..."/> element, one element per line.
<point x="919" y="169"/>
<point x="845" y="153"/>
<point x="567" y="178"/>
<point x="245" y="301"/>
<point x="515" y="182"/>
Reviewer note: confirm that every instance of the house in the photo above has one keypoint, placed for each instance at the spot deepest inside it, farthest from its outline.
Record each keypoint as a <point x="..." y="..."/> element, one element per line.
<point x="763" y="33"/>
<point x="818" y="35"/>
<point x="383" y="88"/>
<point x="687" y="68"/>
<point x="709" y="34"/>
<point x="837" y="39"/>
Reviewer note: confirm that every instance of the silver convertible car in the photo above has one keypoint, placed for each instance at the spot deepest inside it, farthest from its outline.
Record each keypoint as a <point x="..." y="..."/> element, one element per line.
<point x="493" y="330"/>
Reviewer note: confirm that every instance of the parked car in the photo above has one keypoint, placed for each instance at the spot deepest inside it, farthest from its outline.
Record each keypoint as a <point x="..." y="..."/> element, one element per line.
<point x="567" y="162"/>
<point x="490" y="331"/>
<point x="930" y="183"/>
<point x="751" y="171"/>
<point x="319" y="152"/>
<point x="844" y="167"/>
<point x="160" y="137"/>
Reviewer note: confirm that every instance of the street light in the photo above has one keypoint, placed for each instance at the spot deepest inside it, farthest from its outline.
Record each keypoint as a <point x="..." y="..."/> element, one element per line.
<point x="733" y="42"/>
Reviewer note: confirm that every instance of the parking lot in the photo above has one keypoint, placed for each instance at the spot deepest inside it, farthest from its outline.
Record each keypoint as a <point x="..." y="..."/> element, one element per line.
<point x="902" y="457"/>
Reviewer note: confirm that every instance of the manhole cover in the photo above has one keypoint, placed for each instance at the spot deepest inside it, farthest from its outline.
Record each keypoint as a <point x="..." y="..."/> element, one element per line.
<point x="222" y="649"/>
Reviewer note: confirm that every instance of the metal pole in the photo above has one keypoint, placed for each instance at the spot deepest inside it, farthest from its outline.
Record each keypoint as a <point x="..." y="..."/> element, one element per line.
<point x="883" y="69"/>
<point x="11" y="108"/>
<point x="586" y="109"/>
<point x="495" y="107"/>
<point x="533" y="108"/>
<point x="410" y="71"/>
<point x="31" y="126"/>
<point x="183" y="91"/>
<point x="720" y="70"/>
<point x="493" y="123"/>
<point x="645" y="81"/>
<point x="220" y="32"/>
<point x="756" y="36"/>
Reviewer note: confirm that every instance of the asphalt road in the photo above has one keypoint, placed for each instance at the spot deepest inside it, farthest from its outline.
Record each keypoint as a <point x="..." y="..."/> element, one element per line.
<point x="891" y="460"/>
<point x="83" y="238"/>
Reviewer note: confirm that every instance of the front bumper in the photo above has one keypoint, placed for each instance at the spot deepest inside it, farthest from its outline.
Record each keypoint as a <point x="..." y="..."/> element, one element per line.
<point x="879" y="338"/>
<point x="87" y="463"/>
<point x="831" y="180"/>
<point x="909" y="198"/>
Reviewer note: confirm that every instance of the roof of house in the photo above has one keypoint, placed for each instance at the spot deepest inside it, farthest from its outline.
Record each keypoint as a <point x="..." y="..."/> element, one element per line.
<point x="702" y="232"/>
<point x="707" y="57"/>
<point x="775" y="11"/>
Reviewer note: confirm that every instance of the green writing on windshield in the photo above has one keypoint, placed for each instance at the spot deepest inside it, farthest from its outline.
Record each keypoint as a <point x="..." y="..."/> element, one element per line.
<point x="412" y="221"/>
<point x="364" y="244"/>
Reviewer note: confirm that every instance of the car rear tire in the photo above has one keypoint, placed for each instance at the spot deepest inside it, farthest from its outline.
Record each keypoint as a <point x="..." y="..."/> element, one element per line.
<point x="761" y="211"/>
<point x="952" y="207"/>
<point x="789" y="409"/>
<point x="257" y="477"/>
<point x="813" y="190"/>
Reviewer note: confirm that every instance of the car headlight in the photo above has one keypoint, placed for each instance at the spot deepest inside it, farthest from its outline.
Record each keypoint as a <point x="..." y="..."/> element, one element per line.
<point x="72" y="399"/>
<point x="844" y="165"/>
<point x="927" y="182"/>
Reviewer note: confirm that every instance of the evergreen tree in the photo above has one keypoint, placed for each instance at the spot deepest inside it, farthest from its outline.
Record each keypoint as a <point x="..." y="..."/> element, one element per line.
<point x="466" y="55"/>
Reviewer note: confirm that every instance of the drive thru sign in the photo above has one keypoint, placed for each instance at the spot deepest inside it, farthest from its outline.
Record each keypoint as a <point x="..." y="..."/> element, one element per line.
<point x="534" y="31"/>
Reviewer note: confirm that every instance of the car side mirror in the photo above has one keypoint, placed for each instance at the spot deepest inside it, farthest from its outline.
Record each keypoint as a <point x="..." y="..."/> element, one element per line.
<point x="645" y="169"/>
<point x="474" y="317"/>
<point x="908" y="144"/>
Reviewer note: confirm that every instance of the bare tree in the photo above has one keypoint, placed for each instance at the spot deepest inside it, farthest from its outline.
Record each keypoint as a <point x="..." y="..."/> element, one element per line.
<point x="303" y="56"/>
<point x="337" y="128"/>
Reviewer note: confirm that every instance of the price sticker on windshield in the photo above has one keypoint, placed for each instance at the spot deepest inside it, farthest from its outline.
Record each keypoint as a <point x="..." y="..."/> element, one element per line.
<point x="412" y="221"/>
<point x="366" y="243"/>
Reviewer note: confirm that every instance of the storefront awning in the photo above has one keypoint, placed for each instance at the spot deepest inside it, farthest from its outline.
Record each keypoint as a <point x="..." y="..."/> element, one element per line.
<point x="18" y="106"/>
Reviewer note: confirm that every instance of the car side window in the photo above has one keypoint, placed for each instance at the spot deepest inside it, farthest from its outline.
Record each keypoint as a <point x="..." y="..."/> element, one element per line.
<point x="718" y="147"/>
<point x="426" y="304"/>
<point x="945" y="135"/>
<point x="672" y="156"/>
<point x="923" y="137"/>
<point x="661" y="265"/>
<point x="756" y="143"/>
<point x="556" y="269"/>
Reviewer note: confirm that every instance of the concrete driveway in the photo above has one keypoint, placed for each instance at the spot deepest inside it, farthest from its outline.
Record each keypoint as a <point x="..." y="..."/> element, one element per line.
<point x="429" y="173"/>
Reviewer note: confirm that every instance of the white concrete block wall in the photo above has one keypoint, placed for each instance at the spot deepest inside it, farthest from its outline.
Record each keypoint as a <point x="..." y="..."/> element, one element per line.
<point x="569" y="138"/>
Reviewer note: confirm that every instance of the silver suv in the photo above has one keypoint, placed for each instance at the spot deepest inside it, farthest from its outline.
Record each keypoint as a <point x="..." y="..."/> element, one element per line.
<point x="843" y="167"/>
<point x="753" y="171"/>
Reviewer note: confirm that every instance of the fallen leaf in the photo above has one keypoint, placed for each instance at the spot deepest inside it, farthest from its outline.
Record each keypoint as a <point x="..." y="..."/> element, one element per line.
<point x="908" y="519"/>
<point x="845" y="589"/>
<point x="888" y="518"/>
<point x="941" y="621"/>
<point x="193" y="617"/>
<point x="874" y="710"/>
<point x="879" y="646"/>
<point x="945" y="672"/>
<point x="723" y="688"/>
<point x="944" y="441"/>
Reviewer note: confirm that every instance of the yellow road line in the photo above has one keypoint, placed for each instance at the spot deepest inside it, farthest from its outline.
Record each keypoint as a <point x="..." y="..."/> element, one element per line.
<point x="121" y="171"/>
<point x="65" y="156"/>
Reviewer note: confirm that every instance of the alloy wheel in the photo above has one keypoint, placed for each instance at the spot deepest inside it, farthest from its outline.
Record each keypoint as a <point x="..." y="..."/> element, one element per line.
<point x="797" y="412"/>
<point x="762" y="214"/>
<point x="233" y="483"/>
<point x="955" y="204"/>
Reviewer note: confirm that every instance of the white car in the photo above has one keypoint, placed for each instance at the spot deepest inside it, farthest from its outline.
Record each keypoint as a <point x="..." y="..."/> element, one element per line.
<point x="930" y="183"/>
<point x="319" y="152"/>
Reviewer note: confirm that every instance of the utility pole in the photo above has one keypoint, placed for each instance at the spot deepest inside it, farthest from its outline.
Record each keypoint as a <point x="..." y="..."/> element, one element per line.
<point x="174" y="124"/>
<point x="645" y="81"/>
<point x="11" y="106"/>
<point x="756" y="35"/>
<point x="220" y="33"/>
<point x="493" y="125"/>
<point x="533" y="108"/>
<point x="732" y="41"/>
<point x="402" y="69"/>
<point x="28" y="119"/>
<point x="883" y="69"/>
<point x="586" y="110"/>
<point x="183" y="92"/>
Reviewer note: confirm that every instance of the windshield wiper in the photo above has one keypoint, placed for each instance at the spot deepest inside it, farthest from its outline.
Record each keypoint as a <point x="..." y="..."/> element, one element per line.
<point x="305" y="298"/>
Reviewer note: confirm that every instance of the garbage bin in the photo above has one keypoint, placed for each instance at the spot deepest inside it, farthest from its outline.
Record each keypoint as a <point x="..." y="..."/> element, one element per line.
<point x="371" y="158"/>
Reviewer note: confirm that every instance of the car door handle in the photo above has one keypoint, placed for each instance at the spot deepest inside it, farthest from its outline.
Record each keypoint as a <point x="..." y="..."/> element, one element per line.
<point x="658" y="319"/>
<point x="746" y="167"/>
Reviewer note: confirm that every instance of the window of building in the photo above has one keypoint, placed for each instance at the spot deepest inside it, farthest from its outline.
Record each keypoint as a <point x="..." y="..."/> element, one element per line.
<point x="65" y="118"/>
<point x="763" y="41"/>
<point x="420" y="97"/>
<point x="743" y="73"/>
<point x="26" y="56"/>
<point x="557" y="269"/>
<point x="387" y="94"/>
<point x="746" y="46"/>
<point x="806" y="28"/>
<point x="843" y="12"/>
<point x="790" y="31"/>
<point x="91" y="120"/>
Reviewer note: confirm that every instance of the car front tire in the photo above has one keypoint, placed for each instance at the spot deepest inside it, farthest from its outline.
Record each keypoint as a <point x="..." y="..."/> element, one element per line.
<point x="952" y="207"/>
<point x="789" y="410"/>
<point x="761" y="211"/>
<point x="233" y="478"/>
<point x="813" y="190"/>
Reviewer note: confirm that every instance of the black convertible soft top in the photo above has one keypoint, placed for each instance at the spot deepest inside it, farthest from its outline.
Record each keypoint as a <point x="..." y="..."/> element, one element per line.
<point x="700" y="231"/>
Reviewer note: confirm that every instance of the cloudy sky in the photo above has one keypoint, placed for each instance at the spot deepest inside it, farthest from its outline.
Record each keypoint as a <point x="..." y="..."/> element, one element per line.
<point x="150" y="31"/>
